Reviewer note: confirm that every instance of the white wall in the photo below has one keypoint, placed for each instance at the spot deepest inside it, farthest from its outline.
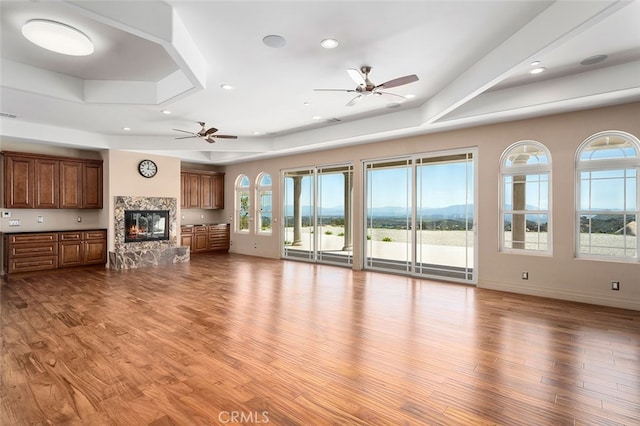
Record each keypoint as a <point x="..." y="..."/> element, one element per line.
<point x="560" y="276"/>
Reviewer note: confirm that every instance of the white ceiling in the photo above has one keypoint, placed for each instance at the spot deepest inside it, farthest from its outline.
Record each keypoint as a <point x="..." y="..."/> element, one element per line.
<point x="472" y="59"/>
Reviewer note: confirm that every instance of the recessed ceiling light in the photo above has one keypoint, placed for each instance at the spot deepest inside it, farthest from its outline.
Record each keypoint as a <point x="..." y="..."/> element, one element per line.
<point x="535" y="63"/>
<point x="226" y="86"/>
<point x="256" y="133"/>
<point x="57" y="37"/>
<point x="306" y="103"/>
<point x="317" y="117"/>
<point x="537" y="70"/>
<point x="329" y="43"/>
<point x="393" y="105"/>
<point x="126" y="129"/>
<point x="165" y="112"/>
<point x="411" y="96"/>
<point x="275" y="41"/>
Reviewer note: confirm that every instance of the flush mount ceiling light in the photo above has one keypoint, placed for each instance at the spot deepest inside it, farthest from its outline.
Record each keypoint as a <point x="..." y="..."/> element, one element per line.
<point x="537" y="70"/>
<point x="57" y="37"/>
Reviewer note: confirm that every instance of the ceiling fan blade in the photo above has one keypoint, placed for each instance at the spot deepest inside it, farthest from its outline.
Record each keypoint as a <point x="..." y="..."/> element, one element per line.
<point x="356" y="76"/>
<point x="187" y="137"/>
<point x="223" y="136"/>
<point x="183" y="131"/>
<point x="391" y="94"/>
<point x="210" y="140"/>
<point x="334" y="90"/>
<point x="398" y="82"/>
<point x="210" y="131"/>
<point x="354" y="100"/>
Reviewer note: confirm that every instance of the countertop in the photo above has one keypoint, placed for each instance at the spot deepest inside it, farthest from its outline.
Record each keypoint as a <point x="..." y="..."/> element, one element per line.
<point x="18" y="231"/>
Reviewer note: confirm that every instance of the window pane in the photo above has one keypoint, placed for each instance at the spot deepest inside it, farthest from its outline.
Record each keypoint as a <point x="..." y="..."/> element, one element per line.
<point x="526" y="154"/>
<point x="265" y="180"/>
<point x="243" y="211"/>
<point x="608" y="147"/>
<point x="244" y="181"/>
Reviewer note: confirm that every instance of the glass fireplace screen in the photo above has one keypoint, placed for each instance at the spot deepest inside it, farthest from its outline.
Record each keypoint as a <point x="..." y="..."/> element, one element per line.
<point x="146" y="225"/>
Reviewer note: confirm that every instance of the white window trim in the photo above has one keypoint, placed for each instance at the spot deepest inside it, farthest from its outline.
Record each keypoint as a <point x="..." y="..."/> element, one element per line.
<point x="238" y="190"/>
<point x="260" y="189"/>
<point x="605" y="164"/>
<point x="526" y="169"/>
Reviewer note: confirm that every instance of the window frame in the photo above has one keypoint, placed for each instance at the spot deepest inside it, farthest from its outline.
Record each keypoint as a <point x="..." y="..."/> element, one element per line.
<point x="262" y="189"/>
<point x="606" y="164"/>
<point x="240" y="191"/>
<point x="538" y="169"/>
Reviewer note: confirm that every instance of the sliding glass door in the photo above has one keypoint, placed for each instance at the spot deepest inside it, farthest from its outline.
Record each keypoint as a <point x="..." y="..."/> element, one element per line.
<point x="420" y="215"/>
<point x="318" y="205"/>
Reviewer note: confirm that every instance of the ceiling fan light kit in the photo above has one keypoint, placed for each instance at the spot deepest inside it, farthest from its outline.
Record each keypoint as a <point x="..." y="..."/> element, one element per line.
<point x="365" y="87"/>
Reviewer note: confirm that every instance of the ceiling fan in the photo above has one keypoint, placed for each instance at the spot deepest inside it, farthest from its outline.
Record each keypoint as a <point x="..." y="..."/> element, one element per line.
<point x="204" y="133"/>
<point x="366" y="87"/>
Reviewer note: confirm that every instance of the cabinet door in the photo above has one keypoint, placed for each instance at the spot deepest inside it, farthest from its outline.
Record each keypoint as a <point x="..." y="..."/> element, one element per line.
<point x="95" y="252"/>
<point x="187" y="241"/>
<point x="46" y="180"/>
<point x="19" y="182"/>
<point x="92" y="186"/>
<point x="70" y="253"/>
<point x="71" y="184"/>
<point x="218" y="191"/>
<point x="200" y="239"/>
<point x="184" y="190"/>
<point x="206" y="192"/>
<point x="193" y="196"/>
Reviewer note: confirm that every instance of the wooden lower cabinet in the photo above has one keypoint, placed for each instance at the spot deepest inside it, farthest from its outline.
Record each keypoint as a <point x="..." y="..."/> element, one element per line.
<point x="30" y="252"/>
<point x="39" y="251"/>
<point x="203" y="238"/>
<point x="82" y="248"/>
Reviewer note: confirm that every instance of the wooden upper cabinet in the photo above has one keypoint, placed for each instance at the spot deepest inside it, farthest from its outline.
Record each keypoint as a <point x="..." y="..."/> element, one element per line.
<point x="71" y="184"/>
<point x="47" y="188"/>
<point x="218" y="189"/>
<point x="201" y="190"/>
<point x="49" y="182"/>
<point x="92" y="185"/>
<point x="19" y="176"/>
<point x="206" y="191"/>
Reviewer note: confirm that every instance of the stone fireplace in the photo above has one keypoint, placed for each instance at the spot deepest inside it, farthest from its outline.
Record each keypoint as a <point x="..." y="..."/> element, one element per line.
<point x="145" y="233"/>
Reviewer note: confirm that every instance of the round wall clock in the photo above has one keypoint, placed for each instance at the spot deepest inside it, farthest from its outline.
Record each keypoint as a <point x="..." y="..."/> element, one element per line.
<point x="147" y="168"/>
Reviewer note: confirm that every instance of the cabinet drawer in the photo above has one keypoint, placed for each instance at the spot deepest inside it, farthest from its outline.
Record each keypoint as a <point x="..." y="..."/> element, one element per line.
<point x="186" y="229"/>
<point x="33" y="250"/>
<point x="32" y="264"/>
<point x="71" y="236"/>
<point x="95" y="235"/>
<point x="201" y="229"/>
<point x="33" y="238"/>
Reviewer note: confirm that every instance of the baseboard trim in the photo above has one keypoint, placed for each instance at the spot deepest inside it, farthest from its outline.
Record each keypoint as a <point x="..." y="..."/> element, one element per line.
<point x="592" y="299"/>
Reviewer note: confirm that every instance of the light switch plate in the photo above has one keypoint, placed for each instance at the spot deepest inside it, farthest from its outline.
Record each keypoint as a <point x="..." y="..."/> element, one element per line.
<point x="14" y="222"/>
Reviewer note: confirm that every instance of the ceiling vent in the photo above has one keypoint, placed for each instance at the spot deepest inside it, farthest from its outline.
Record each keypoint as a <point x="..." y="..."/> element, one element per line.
<point x="8" y="115"/>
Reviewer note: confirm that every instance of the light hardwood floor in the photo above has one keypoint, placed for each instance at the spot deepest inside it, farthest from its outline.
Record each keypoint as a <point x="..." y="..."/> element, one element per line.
<point x="229" y="339"/>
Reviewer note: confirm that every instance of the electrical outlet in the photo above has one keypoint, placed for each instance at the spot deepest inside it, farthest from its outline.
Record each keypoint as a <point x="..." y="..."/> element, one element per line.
<point x="40" y="219"/>
<point x="615" y="285"/>
<point x="6" y="214"/>
<point x="525" y="275"/>
<point x="79" y="219"/>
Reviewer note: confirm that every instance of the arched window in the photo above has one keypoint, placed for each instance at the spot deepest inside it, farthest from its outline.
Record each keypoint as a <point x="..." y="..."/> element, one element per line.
<point x="607" y="167"/>
<point x="525" y="196"/>
<point x="263" y="201"/>
<point x="242" y="204"/>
